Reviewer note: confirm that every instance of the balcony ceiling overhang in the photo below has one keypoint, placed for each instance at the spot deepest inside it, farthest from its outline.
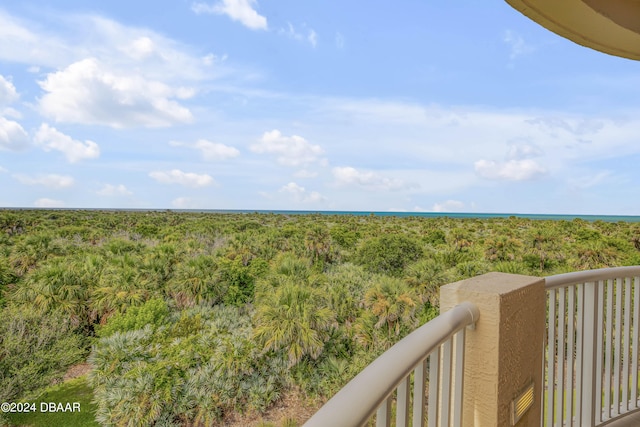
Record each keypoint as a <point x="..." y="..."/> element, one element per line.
<point x="609" y="26"/>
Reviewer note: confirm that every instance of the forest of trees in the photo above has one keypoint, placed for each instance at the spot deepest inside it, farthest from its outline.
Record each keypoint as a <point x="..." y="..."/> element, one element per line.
<point x="193" y="318"/>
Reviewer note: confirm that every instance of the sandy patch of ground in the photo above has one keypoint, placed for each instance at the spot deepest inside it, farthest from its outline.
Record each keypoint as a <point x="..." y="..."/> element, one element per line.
<point x="292" y="406"/>
<point x="76" y="371"/>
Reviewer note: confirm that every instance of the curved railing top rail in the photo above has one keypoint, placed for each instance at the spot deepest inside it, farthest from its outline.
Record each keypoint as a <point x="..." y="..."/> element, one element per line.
<point x="360" y="398"/>
<point x="566" y="279"/>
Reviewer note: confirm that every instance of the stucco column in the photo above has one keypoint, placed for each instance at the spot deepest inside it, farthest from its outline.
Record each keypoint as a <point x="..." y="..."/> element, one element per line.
<point x="503" y="355"/>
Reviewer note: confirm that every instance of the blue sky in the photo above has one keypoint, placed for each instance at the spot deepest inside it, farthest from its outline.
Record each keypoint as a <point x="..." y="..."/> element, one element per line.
<point x="315" y="105"/>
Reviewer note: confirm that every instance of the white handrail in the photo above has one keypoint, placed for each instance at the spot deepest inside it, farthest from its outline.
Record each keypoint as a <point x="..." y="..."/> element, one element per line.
<point x="577" y="277"/>
<point x="356" y="402"/>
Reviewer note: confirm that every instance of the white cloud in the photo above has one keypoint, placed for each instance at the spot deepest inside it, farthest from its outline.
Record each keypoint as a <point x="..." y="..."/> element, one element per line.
<point x="48" y="203"/>
<point x="216" y="151"/>
<point x="512" y="170"/>
<point x="209" y="59"/>
<point x="313" y="38"/>
<point x="211" y="151"/>
<point x="11" y="112"/>
<point x="3" y="170"/>
<point x="188" y="179"/>
<point x="588" y="181"/>
<point x="238" y="10"/>
<point x="367" y="179"/>
<point x="106" y="73"/>
<point x="50" y="180"/>
<point x="309" y="35"/>
<point x="523" y="151"/>
<point x="517" y="44"/>
<point x="12" y="136"/>
<point x="459" y="136"/>
<point x="300" y="193"/>
<point x="114" y="190"/>
<point x="70" y="38"/>
<point x="448" y="206"/>
<point x="140" y="48"/>
<point x="556" y="126"/>
<point x="86" y="93"/>
<point x="19" y="43"/>
<point x="292" y="188"/>
<point x="8" y="93"/>
<point x="291" y="150"/>
<point x="52" y="139"/>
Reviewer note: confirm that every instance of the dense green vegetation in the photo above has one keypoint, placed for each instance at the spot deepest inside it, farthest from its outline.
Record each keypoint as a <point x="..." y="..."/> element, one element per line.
<point x="194" y="318"/>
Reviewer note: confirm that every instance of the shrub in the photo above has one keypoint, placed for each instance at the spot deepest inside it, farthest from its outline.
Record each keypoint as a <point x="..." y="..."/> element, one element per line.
<point x="344" y="236"/>
<point x="239" y="280"/>
<point x="436" y="237"/>
<point x="388" y="254"/>
<point x="34" y="350"/>
<point x="200" y="366"/>
<point x="153" y="312"/>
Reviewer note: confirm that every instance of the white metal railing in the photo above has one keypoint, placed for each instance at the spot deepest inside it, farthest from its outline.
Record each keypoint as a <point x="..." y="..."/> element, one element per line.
<point x="435" y="349"/>
<point x="591" y="351"/>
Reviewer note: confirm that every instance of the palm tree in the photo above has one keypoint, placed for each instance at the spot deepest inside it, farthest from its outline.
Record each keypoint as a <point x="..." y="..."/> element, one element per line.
<point x="158" y="265"/>
<point x="595" y="254"/>
<point x="31" y="250"/>
<point x="195" y="281"/>
<point x="118" y="288"/>
<point x="293" y="318"/>
<point x="503" y="248"/>
<point x="57" y="285"/>
<point x="240" y="246"/>
<point x="426" y="276"/>
<point x="317" y="242"/>
<point x="542" y="242"/>
<point x="287" y="264"/>
<point x="392" y="302"/>
<point x="460" y="238"/>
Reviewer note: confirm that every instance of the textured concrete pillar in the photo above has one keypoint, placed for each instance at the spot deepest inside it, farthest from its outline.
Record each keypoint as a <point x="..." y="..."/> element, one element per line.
<point x="504" y="352"/>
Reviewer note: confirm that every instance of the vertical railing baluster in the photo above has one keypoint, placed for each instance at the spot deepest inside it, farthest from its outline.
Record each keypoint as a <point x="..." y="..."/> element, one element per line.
<point x="445" y="407"/>
<point x="618" y="348"/>
<point x="551" y="347"/>
<point x="458" y="378"/>
<point x="434" y="387"/>
<point x="562" y="313"/>
<point x="626" y="345"/>
<point x="402" y="402"/>
<point x="383" y="415"/>
<point x="589" y="356"/>
<point x="571" y="319"/>
<point x="607" y="351"/>
<point x="580" y="325"/>
<point x="419" y="387"/>
<point x="636" y="336"/>
<point x="599" y="353"/>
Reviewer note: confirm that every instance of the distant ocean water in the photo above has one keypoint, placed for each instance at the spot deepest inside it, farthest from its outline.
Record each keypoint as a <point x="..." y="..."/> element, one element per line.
<point x="554" y="217"/>
<point x="473" y="215"/>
